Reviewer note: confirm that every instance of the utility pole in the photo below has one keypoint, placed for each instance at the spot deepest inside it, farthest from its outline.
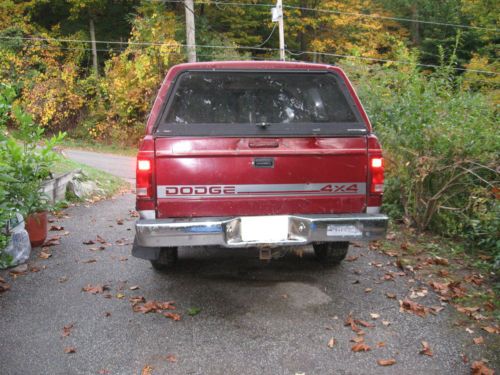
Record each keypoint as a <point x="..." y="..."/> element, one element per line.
<point x="190" y="30"/>
<point x="279" y="8"/>
<point x="94" y="48"/>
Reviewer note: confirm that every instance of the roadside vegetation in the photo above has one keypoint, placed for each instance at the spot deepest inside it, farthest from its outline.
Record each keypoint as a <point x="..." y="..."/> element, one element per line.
<point x="431" y="89"/>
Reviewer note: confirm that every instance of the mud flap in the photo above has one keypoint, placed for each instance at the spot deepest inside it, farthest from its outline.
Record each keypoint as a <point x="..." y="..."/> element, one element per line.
<point x="149" y="253"/>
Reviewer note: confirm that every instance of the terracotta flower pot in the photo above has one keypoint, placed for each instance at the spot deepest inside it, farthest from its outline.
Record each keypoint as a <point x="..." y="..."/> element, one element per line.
<point x="36" y="225"/>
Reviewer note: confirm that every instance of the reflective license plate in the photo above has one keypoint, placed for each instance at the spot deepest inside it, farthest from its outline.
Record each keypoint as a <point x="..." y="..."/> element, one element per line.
<point x="264" y="229"/>
<point x="342" y="230"/>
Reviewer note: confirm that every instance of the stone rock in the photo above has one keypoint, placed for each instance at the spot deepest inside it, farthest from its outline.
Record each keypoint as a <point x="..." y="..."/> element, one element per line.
<point x="83" y="189"/>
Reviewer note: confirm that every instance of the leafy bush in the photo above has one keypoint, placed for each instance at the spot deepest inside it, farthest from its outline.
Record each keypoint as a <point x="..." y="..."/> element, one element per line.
<point x="442" y="148"/>
<point x="24" y="164"/>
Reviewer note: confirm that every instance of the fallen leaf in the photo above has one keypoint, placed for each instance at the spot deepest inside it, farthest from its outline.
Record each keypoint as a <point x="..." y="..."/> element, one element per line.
<point x="368" y="290"/>
<point x="89" y="242"/>
<point x="468" y="330"/>
<point x="100" y="239"/>
<point x="67" y="330"/>
<point x="364" y="324"/>
<point x="22" y="269"/>
<point x="120" y="295"/>
<point x="88" y="261"/>
<point x="391" y="236"/>
<point x="119" y="221"/>
<point x="123" y="259"/>
<point x="480" y="368"/>
<point x="352" y="258"/>
<point x="192" y="311"/>
<point x="380" y="344"/>
<point x="375" y="315"/>
<point x="390" y="295"/>
<point x="95" y="289"/>
<point x="99" y="248"/>
<point x="133" y="213"/>
<point x="464" y="358"/>
<point x="350" y="322"/>
<point x="4" y="286"/>
<point x="56" y="228"/>
<point x="34" y="269"/>
<point x="331" y="343"/>
<point x="358" y="339"/>
<point x="386" y="323"/>
<point x="386" y="362"/>
<point x="171" y="358"/>
<point x="438" y="261"/>
<point x="69" y="350"/>
<point x="478" y="340"/>
<point x="136" y="300"/>
<point x="490" y="329"/>
<point x="172" y="316"/>
<point x="413" y="307"/>
<point x="104" y="372"/>
<point x="44" y="255"/>
<point x="54" y="240"/>
<point x="147" y="370"/>
<point x="360" y="347"/>
<point x="426" y="350"/>
<point x="107" y="314"/>
<point x="63" y="279"/>
<point x="134" y="287"/>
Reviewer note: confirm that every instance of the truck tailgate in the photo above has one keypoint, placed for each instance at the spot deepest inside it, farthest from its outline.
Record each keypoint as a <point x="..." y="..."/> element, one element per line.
<point x="201" y="177"/>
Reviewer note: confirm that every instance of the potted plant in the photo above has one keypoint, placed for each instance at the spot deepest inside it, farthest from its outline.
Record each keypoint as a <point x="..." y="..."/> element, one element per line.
<point x="36" y="207"/>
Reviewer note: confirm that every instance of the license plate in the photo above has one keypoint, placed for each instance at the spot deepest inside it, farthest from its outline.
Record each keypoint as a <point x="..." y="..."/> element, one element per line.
<point x="264" y="229"/>
<point x="342" y="230"/>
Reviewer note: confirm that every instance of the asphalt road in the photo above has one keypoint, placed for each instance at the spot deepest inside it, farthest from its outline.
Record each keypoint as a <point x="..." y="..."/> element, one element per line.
<point x="121" y="166"/>
<point x="255" y="318"/>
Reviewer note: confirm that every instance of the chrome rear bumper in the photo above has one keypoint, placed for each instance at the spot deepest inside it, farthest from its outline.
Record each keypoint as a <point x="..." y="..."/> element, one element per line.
<point x="227" y="231"/>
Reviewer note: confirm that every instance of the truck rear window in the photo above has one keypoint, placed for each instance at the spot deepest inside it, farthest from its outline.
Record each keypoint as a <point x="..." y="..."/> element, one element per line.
<point x="234" y="103"/>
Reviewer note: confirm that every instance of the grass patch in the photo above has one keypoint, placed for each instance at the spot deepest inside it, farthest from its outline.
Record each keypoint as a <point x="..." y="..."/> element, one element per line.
<point x="448" y="262"/>
<point x="109" y="184"/>
<point x="98" y="147"/>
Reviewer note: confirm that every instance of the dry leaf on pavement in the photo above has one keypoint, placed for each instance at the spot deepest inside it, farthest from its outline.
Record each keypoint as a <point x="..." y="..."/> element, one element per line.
<point x="331" y="343"/>
<point x="172" y="316"/>
<point x="413" y="307"/>
<point x="426" y="350"/>
<point x="478" y="340"/>
<point x="67" y="330"/>
<point x="490" y="329"/>
<point x="95" y="289"/>
<point x="386" y="362"/>
<point x="360" y="347"/>
<point x="69" y="350"/>
<point x="147" y="370"/>
<point x="480" y="368"/>
<point x="171" y="358"/>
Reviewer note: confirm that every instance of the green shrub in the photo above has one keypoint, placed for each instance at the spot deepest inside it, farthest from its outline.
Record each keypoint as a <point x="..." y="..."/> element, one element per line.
<point x="442" y="149"/>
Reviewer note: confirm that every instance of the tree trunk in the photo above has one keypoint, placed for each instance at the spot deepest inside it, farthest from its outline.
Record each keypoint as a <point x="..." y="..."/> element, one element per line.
<point x="94" y="48"/>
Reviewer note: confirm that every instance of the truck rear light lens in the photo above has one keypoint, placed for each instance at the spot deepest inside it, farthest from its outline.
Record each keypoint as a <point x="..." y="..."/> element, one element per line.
<point x="377" y="175"/>
<point x="376" y="162"/>
<point x="144" y="179"/>
<point x="143" y="165"/>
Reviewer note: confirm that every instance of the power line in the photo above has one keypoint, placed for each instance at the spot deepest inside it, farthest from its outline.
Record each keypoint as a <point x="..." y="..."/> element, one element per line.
<point x="339" y="12"/>
<point x="268" y="49"/>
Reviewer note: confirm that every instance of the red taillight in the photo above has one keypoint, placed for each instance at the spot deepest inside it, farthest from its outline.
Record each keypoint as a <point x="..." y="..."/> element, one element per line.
<point x="144" y="179"/>
<point x="143" y="165"/>
<point x="377" y="175"/>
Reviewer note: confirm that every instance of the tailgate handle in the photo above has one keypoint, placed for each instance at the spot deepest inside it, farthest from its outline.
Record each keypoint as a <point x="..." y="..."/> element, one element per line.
<point x="267" y="144"/>
<point x="263" y="163"/>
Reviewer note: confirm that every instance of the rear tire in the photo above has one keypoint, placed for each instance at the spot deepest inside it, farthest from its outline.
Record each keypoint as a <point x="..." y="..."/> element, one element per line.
<point x="331" y="253"/>
<point x="166" y="260"/>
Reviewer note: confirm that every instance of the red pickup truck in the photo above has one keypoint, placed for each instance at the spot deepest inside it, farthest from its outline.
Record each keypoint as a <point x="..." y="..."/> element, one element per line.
<point x="257" y="154"/>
